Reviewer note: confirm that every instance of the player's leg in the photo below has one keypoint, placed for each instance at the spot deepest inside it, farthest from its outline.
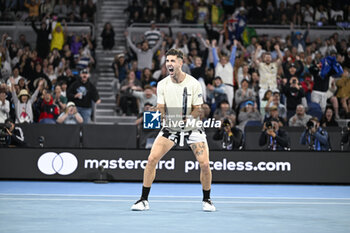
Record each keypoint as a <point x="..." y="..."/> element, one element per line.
<point x="160" y="147"/>
<point x="201" y="152"/>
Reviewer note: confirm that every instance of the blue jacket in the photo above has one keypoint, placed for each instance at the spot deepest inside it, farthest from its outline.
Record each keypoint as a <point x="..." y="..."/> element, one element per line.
<point x="318" y="141"/>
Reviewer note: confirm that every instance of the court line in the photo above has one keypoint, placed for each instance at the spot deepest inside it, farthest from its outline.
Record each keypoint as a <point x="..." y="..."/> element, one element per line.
<point x="175" y="201"/>
<point x="167" y="196"/>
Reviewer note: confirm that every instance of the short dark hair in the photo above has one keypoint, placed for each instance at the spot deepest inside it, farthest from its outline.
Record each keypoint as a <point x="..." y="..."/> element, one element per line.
<point x="175" y="52"/>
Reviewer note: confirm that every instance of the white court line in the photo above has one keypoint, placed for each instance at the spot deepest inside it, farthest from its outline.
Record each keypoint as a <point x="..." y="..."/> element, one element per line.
<point x="176" y="201"/>
<point x="157" y="196"/>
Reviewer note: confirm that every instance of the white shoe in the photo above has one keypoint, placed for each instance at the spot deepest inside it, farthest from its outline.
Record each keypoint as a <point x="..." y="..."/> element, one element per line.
<point x="208" y="206"/>
<point x="140" y="205"/>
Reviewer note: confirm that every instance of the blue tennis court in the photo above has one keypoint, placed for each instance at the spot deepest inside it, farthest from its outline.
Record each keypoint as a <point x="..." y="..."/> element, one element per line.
<point x="27" y="206"/>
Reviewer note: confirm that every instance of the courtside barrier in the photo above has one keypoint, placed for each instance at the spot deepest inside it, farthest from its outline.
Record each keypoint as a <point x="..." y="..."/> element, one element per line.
<point x="176" y="166"/>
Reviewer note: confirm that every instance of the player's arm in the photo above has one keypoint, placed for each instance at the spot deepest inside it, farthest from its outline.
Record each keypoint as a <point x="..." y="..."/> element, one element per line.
<point x="196" y="110"/>
<point x="161" y="109"/>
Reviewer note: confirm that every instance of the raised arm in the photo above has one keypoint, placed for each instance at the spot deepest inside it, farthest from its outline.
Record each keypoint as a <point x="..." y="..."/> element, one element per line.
<point x="255" y="56"/>
<point x="130" y="43"/>
<point x="280" y="56"/>
<point x="215" y="53"/>
<point x="233" y="53"/>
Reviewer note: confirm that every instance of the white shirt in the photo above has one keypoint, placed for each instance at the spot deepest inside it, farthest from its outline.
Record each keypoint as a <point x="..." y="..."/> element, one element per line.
<point x="171" y="94"/>
<point x="268" y="75"/>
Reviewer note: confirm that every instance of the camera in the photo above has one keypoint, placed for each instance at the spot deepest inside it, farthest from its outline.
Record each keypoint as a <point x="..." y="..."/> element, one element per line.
<point x="226" y="122"/>
<point x="294" y="81"/>
<point x="8" y="125"/>
<point x="310" y="125"/>
<point x="268" y="124"/>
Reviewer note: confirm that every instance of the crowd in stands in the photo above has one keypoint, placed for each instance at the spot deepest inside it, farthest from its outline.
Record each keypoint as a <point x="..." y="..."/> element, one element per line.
<point x="281" y="12"/>
<point x="28" y="10"/>
<point x="49" y="80"/>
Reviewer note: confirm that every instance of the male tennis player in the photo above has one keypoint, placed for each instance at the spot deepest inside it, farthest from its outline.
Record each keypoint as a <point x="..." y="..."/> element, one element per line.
<point x="177" y="95"/>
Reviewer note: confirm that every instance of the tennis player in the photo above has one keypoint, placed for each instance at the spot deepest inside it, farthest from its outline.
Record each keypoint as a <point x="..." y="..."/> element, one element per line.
<point x="177" y="95"/>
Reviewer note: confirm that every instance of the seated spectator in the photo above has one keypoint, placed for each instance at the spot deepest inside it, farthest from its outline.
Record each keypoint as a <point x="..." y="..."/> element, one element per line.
<point x="328" y="118"/>
<point x="4" y="106"/>
<point x="120" y="67"/>
<point x="70" y="115"/>
<point x="107" y="37"/>
<point x="11" y="135"/>
<point x="273" y="114"/>
<point x="294" y="94"/>
<point x="265" y="103"/>
<point x="128" y="102"/>
<point x="244" y="94"/>
<point x="48" y="109"/>
<point x="230" y="135"/>
<point x="248" y="112"/>
<point x="216" y="92"/>
<point x="282" y="112"/>
<point x="273" y="137"/>
<point x="300" y="118"/>
<point x="23" y="103"/>
<point x="224" y="112"/>
<point x="315" y="136"/>
<point x="144" y="97"/>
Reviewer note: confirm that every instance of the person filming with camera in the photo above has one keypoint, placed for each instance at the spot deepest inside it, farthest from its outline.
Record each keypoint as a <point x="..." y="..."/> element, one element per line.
<point x="231" y="136"/>
<point x="315" y="136"/>
<point x="11" y="135"/>
<point x="274" y="137"/>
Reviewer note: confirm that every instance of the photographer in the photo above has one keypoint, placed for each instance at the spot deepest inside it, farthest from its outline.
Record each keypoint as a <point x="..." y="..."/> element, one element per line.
<point x="231" y="136"/>
<point x="345" y="138"/>
<point x="273" y="136"/>
<point x="11" y="135"/>
<point x="315" y="136"/>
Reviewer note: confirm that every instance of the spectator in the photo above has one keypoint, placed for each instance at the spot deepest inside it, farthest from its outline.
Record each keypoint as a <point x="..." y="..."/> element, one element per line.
<point x="71" y="116"/>
<point x="273" y="137"/>
<point x="23" y="103"/>
<point x="346" y="137"/>
<point x="46" y="8"/>
<point x="60" y="10"/>
<point x="248" y="112"/>
<point x="146" y="77"/>
<point x="58" y="36"/>
<point x="74" y="9"/>
<point x="145" y="54"/>
<point x="224" y="112"/>
<point x="144" y="97"/>
<point x="152" y="35"/>
<point x="48" y="109"/>
<point x="217" y="92"/>
<point x="120" y="67"/>
<point x="294" y="94"/>
<point x="33" y="8"/>
<point x="299" y="40"/>
<point x="321" y="15"/>
<point x="230" y="135"/>
<point x="224" y="69"/>
<point x="307" y="85"/>
<point x="267" y="70"/>
<point x="4" y="106"/>
<point x="300" y="118"/>
<point x="328" y="118"/>
<point x="11" y="135"/>
<point x="244" y="94"/>
<point x="273" y="114"/>
<point x="127" y="100"/>
<point x="59" y="99"/>
<point x="332" y="98"/>
<point x="42" y="39"/>
<point x="343" y="93"/>
<point x="315" y="136"/>
<point x="276" y="101"/>
<point x="243" y="73"/>
<point x="107" y="36"/>
<point x="82" y="92"/>
<point x="257" y="13"/>
<point x="266" y="102"/>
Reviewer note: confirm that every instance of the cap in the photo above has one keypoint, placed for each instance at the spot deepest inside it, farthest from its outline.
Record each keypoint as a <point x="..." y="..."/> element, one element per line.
<point x="241" y="8"/>
<point x="121" y="55"/>
<point x="297" y="33"/>
<point x="9" y="38"/>
<point x="292" y="65"/>
<point x="153" y="84"/>
<point x="244" y="79"/>
<point x="70" y="103"/>
<point x="84" y="71"/>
